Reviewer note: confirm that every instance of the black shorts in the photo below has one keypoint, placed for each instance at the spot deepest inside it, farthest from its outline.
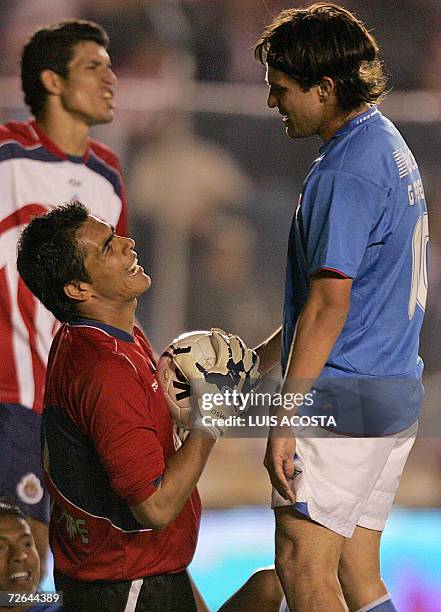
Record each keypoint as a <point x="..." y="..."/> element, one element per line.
<point x="162" y="593"/>
<point x="21" y="472"/>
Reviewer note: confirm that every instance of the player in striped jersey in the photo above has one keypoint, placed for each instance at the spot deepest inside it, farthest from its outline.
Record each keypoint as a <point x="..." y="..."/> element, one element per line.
<point x="68" y="84"/>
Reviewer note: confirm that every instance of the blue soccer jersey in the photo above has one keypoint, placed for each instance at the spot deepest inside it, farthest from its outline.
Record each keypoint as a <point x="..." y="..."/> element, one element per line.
<point x="362" y="213"/>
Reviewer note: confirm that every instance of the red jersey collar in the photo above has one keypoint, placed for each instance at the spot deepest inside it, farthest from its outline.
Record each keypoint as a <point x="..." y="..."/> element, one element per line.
<point x="52" y="147"/>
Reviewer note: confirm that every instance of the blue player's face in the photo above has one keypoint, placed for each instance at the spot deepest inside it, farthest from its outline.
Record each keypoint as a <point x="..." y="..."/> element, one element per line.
<point x="302" y="111"/>
<point x="112" y="264"/>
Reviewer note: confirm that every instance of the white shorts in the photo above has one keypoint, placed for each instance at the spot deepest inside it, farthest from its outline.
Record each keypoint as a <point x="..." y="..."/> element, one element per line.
<point x="341" y="482"/>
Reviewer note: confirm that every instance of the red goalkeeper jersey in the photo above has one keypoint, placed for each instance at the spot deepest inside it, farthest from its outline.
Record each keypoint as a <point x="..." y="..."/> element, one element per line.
<point x="106" y="437"/>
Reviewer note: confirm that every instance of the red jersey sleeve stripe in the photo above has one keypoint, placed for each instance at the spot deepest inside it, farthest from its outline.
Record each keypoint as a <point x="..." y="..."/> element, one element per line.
<point x="339" y="272"/>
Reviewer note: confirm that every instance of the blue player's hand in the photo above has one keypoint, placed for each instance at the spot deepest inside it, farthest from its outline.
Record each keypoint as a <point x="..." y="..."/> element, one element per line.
<point x="279" y="460"/>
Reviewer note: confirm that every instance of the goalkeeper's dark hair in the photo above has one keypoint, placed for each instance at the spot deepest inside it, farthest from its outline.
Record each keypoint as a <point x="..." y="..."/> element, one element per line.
<point x="53" y="48"/>
<point x="325" y="40"/>
<point x="48" y="257"/>
<point x="7" y="508"/>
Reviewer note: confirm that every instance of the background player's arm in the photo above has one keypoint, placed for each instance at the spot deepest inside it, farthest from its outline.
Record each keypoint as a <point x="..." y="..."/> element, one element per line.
<point x="179" y="480"/>
<point x="318" y="328"/>
<point x="269" y="352"/>
<point x="262" y="592"/>
<point x="200" y="603"/>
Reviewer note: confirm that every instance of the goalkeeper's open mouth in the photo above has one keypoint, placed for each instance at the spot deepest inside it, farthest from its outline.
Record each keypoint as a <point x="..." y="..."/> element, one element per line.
<point x="135" y="268"/>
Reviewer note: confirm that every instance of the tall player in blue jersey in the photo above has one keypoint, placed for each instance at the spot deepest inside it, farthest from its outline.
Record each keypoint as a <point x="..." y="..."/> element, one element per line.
<point x="356" y="285"/>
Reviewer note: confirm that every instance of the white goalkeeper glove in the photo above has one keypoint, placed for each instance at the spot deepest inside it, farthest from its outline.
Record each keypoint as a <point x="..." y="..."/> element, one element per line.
<point x="236" y="369"/>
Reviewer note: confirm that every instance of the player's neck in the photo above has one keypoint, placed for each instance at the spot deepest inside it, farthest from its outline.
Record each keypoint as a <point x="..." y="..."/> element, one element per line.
<point x="117" y="315"/>
<point x="337" y="120"/>
<point x="69" y="134"/>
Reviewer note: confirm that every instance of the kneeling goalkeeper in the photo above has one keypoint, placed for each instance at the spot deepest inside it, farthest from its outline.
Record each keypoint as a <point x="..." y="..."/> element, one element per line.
<point x="125" y="508"/>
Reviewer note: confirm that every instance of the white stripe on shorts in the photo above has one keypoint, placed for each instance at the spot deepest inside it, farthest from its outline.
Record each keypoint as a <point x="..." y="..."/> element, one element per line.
<point x="283" y="605"/>
<point x="375" y="603"/>
<point x="135" y="589"/>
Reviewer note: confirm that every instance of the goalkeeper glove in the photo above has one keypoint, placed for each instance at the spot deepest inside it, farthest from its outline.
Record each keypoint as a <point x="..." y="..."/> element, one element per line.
<point x="236" y="369"/>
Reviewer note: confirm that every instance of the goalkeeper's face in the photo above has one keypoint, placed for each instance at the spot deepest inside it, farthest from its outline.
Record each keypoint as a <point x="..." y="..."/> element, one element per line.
<point x="112" y="265"/>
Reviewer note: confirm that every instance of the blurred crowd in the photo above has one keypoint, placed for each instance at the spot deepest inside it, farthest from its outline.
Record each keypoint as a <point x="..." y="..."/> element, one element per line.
<point x="211" y="195"/>
<point x="219" y="34"/>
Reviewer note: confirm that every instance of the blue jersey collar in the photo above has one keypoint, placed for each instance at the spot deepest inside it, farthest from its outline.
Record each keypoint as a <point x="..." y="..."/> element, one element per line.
<point x="371" y="114"/>
<point x="120" y="334"/>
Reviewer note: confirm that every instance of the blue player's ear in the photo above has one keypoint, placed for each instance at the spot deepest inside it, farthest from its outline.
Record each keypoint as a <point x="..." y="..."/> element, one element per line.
<point x="326" y="88"/>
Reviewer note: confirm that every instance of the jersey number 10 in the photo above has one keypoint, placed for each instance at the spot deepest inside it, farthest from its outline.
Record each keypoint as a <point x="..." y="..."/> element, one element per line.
<point x="420" y="241"/>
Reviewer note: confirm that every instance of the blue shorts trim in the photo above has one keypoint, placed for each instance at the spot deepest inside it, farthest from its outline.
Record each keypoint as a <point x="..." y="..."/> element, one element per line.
<point x="302" y="507"/>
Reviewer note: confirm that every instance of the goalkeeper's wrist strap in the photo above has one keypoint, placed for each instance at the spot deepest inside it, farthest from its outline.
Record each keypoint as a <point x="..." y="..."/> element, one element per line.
<point x="214" y="431"/>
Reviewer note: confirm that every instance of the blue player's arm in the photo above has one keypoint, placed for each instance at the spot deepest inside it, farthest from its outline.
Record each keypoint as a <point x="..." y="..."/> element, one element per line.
<point x="319" y="325"/>
<point x="269" y="352"/>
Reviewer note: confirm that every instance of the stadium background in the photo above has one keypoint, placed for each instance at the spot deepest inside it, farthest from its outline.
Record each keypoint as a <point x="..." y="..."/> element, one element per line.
<point x="212" y="183"/>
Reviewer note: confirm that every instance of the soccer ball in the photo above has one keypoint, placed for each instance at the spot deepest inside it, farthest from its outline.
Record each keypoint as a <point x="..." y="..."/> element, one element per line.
<point x="174" y="382"/>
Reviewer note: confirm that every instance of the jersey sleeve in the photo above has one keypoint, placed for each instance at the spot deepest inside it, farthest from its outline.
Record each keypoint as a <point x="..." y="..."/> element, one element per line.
<point x="345" y="209"/>
<point x="122" y="227"/>
<point x="123" y="431"/>
<point x="111" y="160"/>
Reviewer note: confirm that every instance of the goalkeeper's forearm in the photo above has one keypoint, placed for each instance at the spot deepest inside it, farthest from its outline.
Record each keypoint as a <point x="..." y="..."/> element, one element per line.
<point x="179" y="480"/>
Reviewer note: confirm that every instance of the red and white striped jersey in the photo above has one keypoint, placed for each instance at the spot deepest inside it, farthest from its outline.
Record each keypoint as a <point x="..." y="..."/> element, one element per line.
<point x="35" y="175"/>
